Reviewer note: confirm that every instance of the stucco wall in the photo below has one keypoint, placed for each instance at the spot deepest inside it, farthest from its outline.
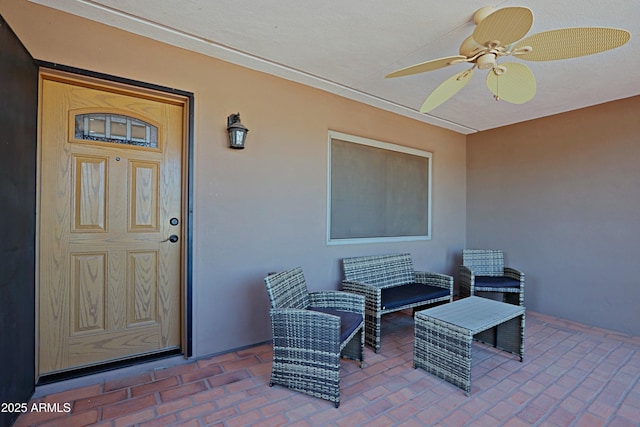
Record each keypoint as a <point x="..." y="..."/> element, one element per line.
<point x="261" y="209"/>
<point x="561" y="195"/>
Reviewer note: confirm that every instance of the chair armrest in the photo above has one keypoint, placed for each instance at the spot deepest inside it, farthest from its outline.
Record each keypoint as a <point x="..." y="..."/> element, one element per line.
<point x="467" y="281"/>
<point x="466" y="274"/>
<point x="337" y="300"/>
<point x="305" y="329"/>
<point x="513" y="273"/>
<point x="372" y="294"/>
<point x="435" y="279"/>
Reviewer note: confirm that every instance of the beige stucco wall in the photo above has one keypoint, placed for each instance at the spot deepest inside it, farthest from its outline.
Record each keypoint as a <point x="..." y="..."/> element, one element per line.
<point x="261" y="209"/>
<point x="561" y="195"/>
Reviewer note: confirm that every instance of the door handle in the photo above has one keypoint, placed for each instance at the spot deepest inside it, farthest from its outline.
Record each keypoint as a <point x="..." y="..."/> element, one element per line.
<point x="173" y="238"/>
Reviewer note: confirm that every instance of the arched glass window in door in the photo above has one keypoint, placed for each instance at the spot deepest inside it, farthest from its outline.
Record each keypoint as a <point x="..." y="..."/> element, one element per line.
<point x="115" y="128"/>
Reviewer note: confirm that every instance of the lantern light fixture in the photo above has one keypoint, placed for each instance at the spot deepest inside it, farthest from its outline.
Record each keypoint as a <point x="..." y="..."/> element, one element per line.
<point x="237" y="131"/>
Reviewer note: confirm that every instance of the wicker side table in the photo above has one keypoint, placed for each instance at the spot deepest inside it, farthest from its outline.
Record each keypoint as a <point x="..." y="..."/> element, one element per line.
<point x="444" y="336"/>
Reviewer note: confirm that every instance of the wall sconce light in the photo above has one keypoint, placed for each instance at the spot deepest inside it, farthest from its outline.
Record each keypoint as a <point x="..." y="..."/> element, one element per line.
<point x="237" y="131"/>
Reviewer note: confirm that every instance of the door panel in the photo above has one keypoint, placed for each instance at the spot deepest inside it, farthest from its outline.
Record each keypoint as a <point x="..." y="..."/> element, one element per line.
<point x="111" y="179"/>
<point x="90" y="178"/>
<point x="88" y="292"/>
<point x="143" y="203"/>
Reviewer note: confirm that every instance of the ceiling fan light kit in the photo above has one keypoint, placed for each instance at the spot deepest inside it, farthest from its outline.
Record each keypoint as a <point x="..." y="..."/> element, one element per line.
<point x="500" y="33"/>
<point x="486" y="61"/>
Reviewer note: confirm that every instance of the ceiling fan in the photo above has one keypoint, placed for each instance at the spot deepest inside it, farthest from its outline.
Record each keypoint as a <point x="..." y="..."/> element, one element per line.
<point x="499" y="33"/>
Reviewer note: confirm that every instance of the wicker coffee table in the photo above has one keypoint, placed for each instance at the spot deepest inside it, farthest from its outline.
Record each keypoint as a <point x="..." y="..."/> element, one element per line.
<point x="444" y="336"/>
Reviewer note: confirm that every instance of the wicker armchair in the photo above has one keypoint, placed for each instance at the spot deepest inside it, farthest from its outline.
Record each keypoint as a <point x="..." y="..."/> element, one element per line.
<point x="311" y="331"/>
<point x="483" y="270"/>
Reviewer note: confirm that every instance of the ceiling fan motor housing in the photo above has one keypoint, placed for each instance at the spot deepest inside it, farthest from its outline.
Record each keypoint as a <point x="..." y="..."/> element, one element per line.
<point x="482" y="13"/>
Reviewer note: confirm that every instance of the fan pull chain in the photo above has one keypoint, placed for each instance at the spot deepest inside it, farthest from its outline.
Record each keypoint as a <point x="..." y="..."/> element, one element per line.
<point x="498" y="70"/>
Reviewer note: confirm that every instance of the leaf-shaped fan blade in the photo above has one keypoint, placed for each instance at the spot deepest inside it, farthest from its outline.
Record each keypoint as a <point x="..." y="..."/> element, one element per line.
<point x="516" y="85"/>
<point x="446" y="90"/>
<point x="571" y="43"/>
<point x="427" y="66"/>
<point x="504" y="26"/>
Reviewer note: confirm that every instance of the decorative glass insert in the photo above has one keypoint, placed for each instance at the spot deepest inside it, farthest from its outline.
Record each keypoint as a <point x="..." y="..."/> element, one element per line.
<point x="116" y="128"/>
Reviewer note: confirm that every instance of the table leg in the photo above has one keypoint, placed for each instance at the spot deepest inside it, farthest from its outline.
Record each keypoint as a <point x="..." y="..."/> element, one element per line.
<point x="443" y="350"/>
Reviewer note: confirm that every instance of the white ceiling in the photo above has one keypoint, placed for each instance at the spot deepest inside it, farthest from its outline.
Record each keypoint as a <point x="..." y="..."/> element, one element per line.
<point x="347" y="47"/>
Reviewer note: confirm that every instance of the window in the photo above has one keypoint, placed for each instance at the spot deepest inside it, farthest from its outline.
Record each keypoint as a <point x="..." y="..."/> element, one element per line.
<point x="377" y="192"/>
<point x="115" y="128"/>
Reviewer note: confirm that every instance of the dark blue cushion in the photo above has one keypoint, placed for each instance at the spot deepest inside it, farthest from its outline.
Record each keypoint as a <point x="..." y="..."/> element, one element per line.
<point x="348" y="321"/>
<point x="496" y="282"/>
<point x="410" y="293"/>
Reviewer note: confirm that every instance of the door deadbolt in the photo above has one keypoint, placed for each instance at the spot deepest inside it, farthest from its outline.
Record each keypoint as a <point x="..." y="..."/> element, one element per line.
<point x="174" y="221"/>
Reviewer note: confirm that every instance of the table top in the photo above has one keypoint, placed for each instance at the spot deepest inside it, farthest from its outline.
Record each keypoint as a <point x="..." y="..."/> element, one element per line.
<point x="476" y="314"/>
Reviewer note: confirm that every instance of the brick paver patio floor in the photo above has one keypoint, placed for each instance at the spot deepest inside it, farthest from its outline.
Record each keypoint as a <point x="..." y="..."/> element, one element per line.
<point x="572" y="375"/>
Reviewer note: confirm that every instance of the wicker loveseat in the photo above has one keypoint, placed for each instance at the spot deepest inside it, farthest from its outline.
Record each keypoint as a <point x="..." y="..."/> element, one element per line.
<point x="311" y="331"/>
<point x="389" y="284"/>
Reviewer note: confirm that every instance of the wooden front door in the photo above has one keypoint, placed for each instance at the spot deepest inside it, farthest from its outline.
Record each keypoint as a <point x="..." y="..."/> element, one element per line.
<point x="110" y="218"/>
